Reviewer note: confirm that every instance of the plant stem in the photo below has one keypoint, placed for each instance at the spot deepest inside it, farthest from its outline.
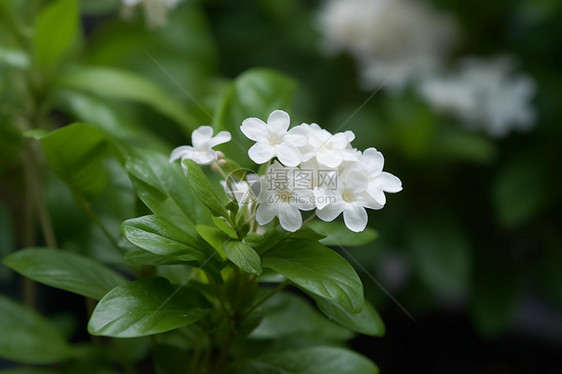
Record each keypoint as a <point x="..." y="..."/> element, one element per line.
<point x="277" y="289"/>
<point x="307" y="221"/>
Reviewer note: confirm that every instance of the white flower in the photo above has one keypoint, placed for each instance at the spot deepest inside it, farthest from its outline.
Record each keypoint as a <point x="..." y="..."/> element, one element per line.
<point x="243" y="191"/>
<point x="351" y="199"/>
<point x="393" y="41"/>
<point x="328" y="150"/>
<point x="202" y="150"/>
<point x="155" y="11"/>
<point x="378" y="182"/>
<point x="279" y="199"/>
<point x="273" y="139"/>
<point x="484" y="94"/>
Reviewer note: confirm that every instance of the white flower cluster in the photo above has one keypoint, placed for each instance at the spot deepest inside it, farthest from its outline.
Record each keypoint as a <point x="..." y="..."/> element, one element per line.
<point x="317" y="171"/>
<point x="313" y="170"/>
<point x="394" y="41"/>
<point x="155" y="11"/>
<point x="484" y="94"/>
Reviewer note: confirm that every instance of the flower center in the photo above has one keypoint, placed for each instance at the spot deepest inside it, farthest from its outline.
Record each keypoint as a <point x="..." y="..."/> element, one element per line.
<point x="348" y="196"/>
<point x="275" y="139"/>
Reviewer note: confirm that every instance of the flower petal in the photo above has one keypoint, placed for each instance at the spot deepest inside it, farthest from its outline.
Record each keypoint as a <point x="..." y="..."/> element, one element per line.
<point x="330" y="212"/>
<point x="355" y="217"/>
<point x="261" y="152"/>
<point x="278" y="122"/>
<point x="254" y="129"/>
<point x="290" y="218"/>
<point x="220" y="138"/>
<point x="180" y="152"/>
<point x="203" y="158"/>
<point x="376" y="193"/>
<point x="287" y="154"/>
<point x="373" y="161"/>
<point x="297" y="136"/>
<point x="331" y="159"/>
<point x="265" y="213"/>
<point x="201" y="136"/>
<point x="388" y="182"/>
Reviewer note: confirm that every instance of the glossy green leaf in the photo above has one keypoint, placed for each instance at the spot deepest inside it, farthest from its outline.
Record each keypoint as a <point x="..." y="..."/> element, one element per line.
<point x="367" y="321"/>
<point x="318" y="270"/>
<point x="27" y="337"/>
<point x="55" y="30"/>
<point x="203" y="189"/>
<point x="337" y="234"/>
<point x="143" y="307"/>
<point x="65" y="270"/>
<point x="315" y="360"/>
<point x="164" y="188"/>
<point x="225" y="227"/>
<point x="75" y="153"/>
<point x="124" y="85"/>
<point x="279" y="320"/>
<point x="243" y="256"/>
<point x="157" y="235"/>
<point x="255" y="93"/>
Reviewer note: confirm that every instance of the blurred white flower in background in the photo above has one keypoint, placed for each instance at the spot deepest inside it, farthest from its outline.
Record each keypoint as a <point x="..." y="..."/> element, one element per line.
<point x="155" y="11"/>
<point x="202" y="151"/>
<point x="485" y="94"/>
<point x="394" y="42"/>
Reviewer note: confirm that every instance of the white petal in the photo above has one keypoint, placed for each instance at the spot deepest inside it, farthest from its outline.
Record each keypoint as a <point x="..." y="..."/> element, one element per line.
<point x="261" y="152"/>
<point x="203" y="158"/>
<point x="376" y="193"/>
<point x="201" y="136"/>
<point x="339" y="141"/>
<point x="388" y="182"/>
<point x="220" y="138"/>
<point x="290" y="218"/>
<point x="278" y="122"/>
<point x="254" y="129"/>
<point x="179" y="152"/>
<point x="297" y="136"/>
<point x="373" y="161"/>
<point x="330" y="212"/>
<point x="288" y="155"/>
<point x="265" y="213"/>
<point x="350" y="136"/>
<point x="330" y="159"/>
<point x="355" y="217"/>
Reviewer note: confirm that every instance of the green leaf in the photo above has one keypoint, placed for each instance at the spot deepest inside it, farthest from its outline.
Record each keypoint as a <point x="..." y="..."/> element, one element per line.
<point x="318" y="270"/>
<point x="367" y="321"/>
<point x="124" y="85"/>
<point x="75" y="153"/>
<point x="55" y="30"/>
<point x="157" y="235"/>
<point x="337" y="234"/>
<point x="7" y="243"/>
<point x="225" y="227"/>
<point x="24" y="370"/>
<point x="243" y="256"/>
<point x="279" y="320"/>
<point x="255" y="93"/>
<point x="213" y="236"/>
<point x="204" y="190"/>
<point x="315" y="360"/>
<point x="163" y="187"/>
<point x="65" y="270"/>
<point x="27" y="337"/>
<point x="143" y="307"/>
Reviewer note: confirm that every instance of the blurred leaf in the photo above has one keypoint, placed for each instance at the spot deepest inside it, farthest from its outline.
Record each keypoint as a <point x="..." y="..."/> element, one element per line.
<point x="55" y="30"/>
<point x="163" y="187"/>
<point x="24" y="370"/>
<point x="203" y="189"/>
<point x="124" y="85"/>
<point x="64" y="270"/>
<point x="243" y="256"/>
<point x="157" y="235"/>
<point x="454" y="144"/>
<point x="27" y="337"/>
<point x="520" y="191"/>
<point x="316" y="360"/>
<point x="319" y="270"/>
<point x="337" y="234"/>
<point x="143" y="307"/>
<point x="442" y="255"/>
<point x="367" y="321"/>
<point x="255" y="93"/>
<point x="279" y="320"/>
<point x="12" y="57"/>
<point x="170" y="360"/>
<point x="7" y="244"/>
<point x="75" y="153"/>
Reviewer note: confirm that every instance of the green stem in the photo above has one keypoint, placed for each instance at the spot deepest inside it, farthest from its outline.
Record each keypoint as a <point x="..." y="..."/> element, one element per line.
<point x="307" y="221"/>
<point x="277" y="289"/>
